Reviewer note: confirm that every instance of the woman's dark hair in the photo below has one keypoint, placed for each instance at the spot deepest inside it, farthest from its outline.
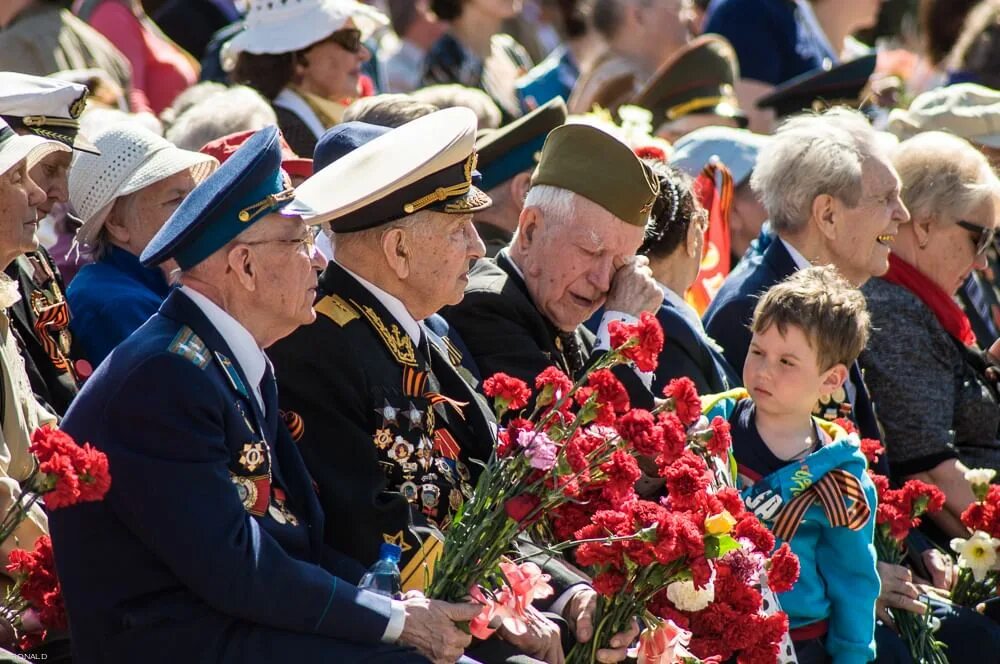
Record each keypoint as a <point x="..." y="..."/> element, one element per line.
<point x="447" y="10"/>
<point x="940" y="23"/>
<point x="673" y="210"/>
<point x="266" y="73"/>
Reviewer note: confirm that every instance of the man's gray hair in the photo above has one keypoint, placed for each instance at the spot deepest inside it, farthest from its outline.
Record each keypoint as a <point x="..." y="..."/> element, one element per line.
<point x="943" y="176"/>
<point x="558" y="205"/>
<point x="811" y="155"/>
<point x="237" y="109"/>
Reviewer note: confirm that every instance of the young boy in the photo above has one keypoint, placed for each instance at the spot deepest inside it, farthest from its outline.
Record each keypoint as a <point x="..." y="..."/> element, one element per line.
<point x="805" y="477"/>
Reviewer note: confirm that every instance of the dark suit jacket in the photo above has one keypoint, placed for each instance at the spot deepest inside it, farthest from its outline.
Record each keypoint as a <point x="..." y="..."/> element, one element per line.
<point x="49" y="365"/>
<point x="185" y="559"/>
<point x="379" y="471"/>
<point x="687" y="353"/>
<point x="506" y="332"/>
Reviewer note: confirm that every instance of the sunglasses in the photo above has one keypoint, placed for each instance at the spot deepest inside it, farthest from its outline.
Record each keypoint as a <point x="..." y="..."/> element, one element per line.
<point x="983" y="235"/>
<point x="348" y="39"/>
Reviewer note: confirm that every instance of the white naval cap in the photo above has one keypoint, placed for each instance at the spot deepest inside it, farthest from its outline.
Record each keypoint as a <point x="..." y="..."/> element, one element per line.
<point x="46" y="107"/>
<point x="15" y="148"/>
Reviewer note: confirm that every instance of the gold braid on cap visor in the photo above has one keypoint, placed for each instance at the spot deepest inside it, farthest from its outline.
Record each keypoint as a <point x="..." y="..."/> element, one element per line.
<point x="251" y="212"/>
<point x="444" y="193"/>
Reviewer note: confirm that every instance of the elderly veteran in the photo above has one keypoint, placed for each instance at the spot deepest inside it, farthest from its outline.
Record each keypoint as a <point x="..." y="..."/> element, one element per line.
<point x="507" y="157"/>
<point x="401" y="254"/>
<point x="737" y="149"/>
<point x="20" y="411"/>
<point x="124" y="196"/>
<point x="573" y="251"/>
<point x="305" y="57"/>
<point x="213" y="549"/>
<point x="33" y="105"/>
<point x="694" y="88"/>
<point x="922" y="351"/>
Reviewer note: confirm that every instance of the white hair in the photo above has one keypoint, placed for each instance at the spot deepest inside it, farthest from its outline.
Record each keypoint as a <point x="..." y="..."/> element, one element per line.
<point x="811" y="155"/>
<point x="558" y="206"/>
<point x="237" y="109"/>
<point x="943" y="176"/>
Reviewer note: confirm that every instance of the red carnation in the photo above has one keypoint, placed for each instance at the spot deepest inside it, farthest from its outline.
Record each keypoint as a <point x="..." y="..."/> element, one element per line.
<point x="731" y="501"/>
<point x="674" y="438"/>
<point x="752" y="529"/>
<point x="58" y="482"/>
<point x="622" y="472"/>
<point x="640" y="342"/>
<point x="639" y="428"/>
<point x="611" y="395"/>
<point x="609" y="583"/>
<point x="721" y="439"/>
<point x="519" y="508"/>
<point x="783" y="571"/>
<point x="686" y="477"/>
<point x="872" y="449"/>
<point x="685" y="398"/>
<point x="507" y="392"/>
<point x="92" y="471"/>
<point x="552" y="385"/>
<point x="47" y="441"/>
<point x="36" y="570"/>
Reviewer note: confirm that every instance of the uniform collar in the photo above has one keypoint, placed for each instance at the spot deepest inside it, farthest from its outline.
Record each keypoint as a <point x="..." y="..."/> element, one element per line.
<point x="800" y="261"/>
<point x="392" y="304"/>
<point x="246" y="353"/>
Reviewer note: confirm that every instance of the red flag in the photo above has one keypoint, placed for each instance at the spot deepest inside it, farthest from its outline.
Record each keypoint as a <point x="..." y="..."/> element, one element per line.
<point x="714" y="189"/>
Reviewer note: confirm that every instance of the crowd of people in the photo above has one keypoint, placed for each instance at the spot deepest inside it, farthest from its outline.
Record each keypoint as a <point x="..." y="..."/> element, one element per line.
<point x="264" y="254"/>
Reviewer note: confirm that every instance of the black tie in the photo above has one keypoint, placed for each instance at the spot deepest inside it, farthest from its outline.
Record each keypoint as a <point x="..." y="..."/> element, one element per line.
<point x="571" y="351"/>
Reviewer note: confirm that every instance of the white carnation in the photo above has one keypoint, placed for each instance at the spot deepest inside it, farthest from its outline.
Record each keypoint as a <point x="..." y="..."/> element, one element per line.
<point x="688" y="598"/>
<point x="980" y="476"/>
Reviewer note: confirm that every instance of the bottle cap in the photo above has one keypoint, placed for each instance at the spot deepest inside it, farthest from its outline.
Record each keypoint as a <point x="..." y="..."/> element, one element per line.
<point x="389" y="551"/>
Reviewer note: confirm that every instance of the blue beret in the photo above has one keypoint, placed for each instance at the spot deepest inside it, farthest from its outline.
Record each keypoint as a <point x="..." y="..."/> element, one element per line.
<point x="515" y="148"/>
<point x="249" y="186"/>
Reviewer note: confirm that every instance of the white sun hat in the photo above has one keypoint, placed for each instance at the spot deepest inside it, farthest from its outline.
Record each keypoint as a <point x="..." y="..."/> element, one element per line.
<point x="15" y="148"/>
<point x="286" y="26"/>
<point x="132" y="158"/>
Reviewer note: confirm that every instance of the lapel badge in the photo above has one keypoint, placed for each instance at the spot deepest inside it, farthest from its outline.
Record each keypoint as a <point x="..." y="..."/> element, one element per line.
<point x="232" y="374"/>
<point x="430" y="496"/>
<point x="443" y="468"/>
<point x="409" y="491"/>
<point x="252" y="456"/>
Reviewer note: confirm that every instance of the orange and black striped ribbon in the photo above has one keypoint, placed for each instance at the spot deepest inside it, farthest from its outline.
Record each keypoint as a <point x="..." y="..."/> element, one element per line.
<point x="292" y="420"/>
<point x="414" y="381"/>
<point x="54" y="318"/>
<point x="841" y="497"/>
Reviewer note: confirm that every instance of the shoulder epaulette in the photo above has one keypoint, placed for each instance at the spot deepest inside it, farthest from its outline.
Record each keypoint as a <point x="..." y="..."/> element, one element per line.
<point x="337" y="309"/>
<point x="188" y="345"/>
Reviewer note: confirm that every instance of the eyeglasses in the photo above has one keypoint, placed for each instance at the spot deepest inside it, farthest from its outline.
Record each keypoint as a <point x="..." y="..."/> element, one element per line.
<point x="983" y="235"/>
<point x="348" y="39"/>
<point x="308" y="242"/>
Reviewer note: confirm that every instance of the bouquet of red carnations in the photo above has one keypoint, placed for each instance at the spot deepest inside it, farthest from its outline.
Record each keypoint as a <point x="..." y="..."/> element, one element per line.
<point x="543" y="461"/>
<point x="900" y="510"/>
<point x="979" y="555"/>
<point x="693" y="560"/>
<point x="65" y="474"/>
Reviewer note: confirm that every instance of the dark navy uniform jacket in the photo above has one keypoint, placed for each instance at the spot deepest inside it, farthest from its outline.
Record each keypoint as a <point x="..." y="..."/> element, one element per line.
<point x="686" y="352"/>
<point x="192" y="556"/>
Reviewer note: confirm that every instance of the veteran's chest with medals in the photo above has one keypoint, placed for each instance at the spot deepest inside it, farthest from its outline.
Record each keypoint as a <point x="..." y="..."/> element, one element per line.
<point x="48" y="311"/>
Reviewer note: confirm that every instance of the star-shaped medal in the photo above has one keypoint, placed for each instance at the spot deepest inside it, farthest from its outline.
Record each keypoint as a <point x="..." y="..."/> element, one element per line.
<point x="414" y="415"/>
<point x="388" y="414"/>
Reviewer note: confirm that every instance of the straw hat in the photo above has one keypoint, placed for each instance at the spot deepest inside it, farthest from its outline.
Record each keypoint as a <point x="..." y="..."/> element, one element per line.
<point x="132" y="158"/>
<point x="286" y="26"/>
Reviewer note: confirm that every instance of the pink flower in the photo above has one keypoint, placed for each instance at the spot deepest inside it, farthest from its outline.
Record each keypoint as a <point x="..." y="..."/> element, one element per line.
<point x="659" y="644"/>
<point x="539" y="449"/>
<point x="480" y="626"/>
<point x="527" y="583"/>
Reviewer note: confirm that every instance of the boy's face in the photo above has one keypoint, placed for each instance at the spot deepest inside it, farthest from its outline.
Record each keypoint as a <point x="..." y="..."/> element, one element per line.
<point x="782" y="372"/>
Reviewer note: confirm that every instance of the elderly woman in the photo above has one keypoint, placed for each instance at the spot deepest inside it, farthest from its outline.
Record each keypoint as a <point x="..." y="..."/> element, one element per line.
<point x="124" y="195"/>
<point x="305" y="58"/>
<point x="938" y="408"/>
<point x="675" y="237"/>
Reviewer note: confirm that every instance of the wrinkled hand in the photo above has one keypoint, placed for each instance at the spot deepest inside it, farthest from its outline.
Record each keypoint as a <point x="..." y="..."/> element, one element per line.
<point x="898" y="592"/>
<point x="633" y="289"/>
<point x="579" y="613"/>
<point x="943" y="571"/>
<point x="541" y="641"/>
<point x="430" y="628"/>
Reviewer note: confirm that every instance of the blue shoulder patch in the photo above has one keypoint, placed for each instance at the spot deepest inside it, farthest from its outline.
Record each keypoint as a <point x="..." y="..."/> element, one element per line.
<point x="188" y="345"/>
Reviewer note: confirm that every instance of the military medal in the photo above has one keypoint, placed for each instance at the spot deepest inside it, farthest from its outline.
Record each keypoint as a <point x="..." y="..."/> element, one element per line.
<point x="382" y="439"/>
<point x="430" y="496"/>
<point x="409" y="491"/>
<point x="402" y="450"/>
<point x="414" y="415"/>
<point x="388" y="414"/>
<point x="252" y="456"/>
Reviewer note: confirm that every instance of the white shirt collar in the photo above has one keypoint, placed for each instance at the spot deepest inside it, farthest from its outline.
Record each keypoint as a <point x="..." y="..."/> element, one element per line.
<point x="393" y="305"/>
<point x="800" y="261"/>
<point x="247" y="354"/>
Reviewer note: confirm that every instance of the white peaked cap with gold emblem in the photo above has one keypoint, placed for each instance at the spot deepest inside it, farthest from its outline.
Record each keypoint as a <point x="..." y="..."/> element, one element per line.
<point x="14" y="148"/>
<point x="46" y="107"/>
<point x="426" y="164"/>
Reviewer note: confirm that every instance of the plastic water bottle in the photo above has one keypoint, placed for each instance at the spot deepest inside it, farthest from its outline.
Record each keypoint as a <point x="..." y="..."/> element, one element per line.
<point x="383" y="576"/>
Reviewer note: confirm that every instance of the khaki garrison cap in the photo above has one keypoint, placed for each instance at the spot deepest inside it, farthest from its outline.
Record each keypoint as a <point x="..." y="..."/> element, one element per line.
<point x="599" y="167"/>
